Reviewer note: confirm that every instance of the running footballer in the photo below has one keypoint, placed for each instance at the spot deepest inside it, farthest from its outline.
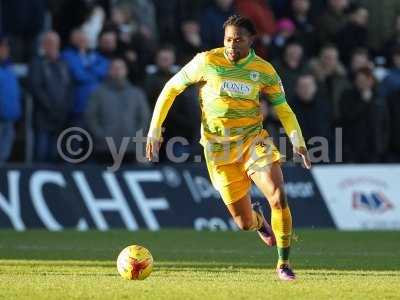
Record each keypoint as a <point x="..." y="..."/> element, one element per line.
<point x="236" y="147"/>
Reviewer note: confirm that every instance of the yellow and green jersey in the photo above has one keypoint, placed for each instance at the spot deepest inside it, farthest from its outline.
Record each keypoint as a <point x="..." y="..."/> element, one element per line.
<point x="230" y="101"/>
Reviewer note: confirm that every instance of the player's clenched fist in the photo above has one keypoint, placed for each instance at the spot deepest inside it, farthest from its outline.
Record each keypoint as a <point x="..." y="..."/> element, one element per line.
<point x="152" y="148"/>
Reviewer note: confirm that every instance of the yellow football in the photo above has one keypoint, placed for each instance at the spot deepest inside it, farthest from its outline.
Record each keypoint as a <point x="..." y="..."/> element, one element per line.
<point x="135" y="263"/>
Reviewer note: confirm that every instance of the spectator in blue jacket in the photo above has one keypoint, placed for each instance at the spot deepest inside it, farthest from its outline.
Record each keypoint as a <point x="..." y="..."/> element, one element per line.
<point x="10" y="105"/>
<point x="88" y="68"/>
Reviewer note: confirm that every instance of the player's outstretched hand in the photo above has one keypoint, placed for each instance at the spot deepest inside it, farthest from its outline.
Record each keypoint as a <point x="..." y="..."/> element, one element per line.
<point x="152" y="148"/>
<point x="303" y="153"/>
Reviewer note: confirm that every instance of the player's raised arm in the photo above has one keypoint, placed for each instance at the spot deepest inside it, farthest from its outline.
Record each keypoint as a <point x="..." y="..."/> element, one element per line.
<point x="276" y="95"/>
<point x="189" y="74"/>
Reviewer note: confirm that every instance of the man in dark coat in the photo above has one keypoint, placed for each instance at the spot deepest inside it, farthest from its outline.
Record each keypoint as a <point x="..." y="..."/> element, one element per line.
<point x="313" y="113"/>
<point x="51" y="87"/>
<point x="364" y="120"/>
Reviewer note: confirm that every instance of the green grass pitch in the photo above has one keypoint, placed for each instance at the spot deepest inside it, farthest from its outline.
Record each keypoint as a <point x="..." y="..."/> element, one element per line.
<point x="199" y="265"/>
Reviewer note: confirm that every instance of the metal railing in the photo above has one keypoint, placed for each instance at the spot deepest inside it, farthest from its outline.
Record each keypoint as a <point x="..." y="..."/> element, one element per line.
<point x="28" y="128"/>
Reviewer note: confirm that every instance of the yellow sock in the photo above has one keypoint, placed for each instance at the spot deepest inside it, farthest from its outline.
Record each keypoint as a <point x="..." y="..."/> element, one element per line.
<point x="281" y="222"/>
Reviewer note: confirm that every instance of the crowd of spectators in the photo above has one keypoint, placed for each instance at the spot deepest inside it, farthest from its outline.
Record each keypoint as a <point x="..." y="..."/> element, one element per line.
<point x="100" y="65"/>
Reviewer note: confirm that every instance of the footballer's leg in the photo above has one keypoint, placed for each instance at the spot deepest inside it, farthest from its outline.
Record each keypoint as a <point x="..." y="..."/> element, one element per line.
<point x="246" y="218"/>
<point x="234" y="185"/>
<point x="270" y="182"/>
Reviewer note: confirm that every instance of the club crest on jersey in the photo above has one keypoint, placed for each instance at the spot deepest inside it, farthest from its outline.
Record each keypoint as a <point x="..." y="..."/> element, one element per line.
<point x="220" y="69"/>
<point x="255" y="76"/>
<point x="235" y="88"/>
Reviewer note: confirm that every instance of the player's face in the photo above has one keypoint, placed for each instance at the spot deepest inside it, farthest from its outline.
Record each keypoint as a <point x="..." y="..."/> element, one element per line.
<point x="237" y="42"/>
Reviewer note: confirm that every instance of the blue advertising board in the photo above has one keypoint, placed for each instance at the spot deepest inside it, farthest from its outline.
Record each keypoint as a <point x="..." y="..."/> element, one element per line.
<point x="154" y="197"/>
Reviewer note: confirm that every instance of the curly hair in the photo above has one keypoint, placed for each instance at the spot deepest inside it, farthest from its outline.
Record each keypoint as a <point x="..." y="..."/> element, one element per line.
<point x="240" y="21"/>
